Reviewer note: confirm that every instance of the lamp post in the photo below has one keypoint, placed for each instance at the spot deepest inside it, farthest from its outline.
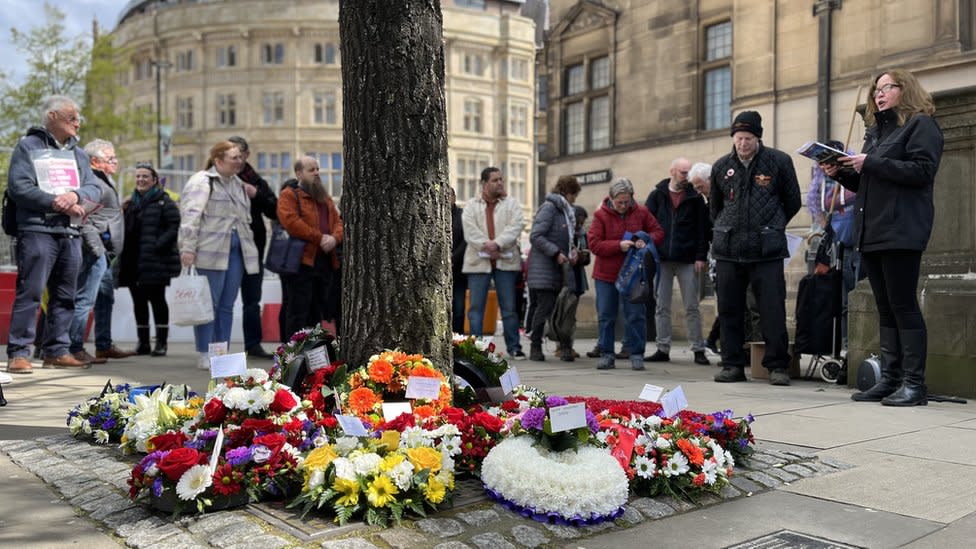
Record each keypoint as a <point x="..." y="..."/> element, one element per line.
<point x="159" y="64"/>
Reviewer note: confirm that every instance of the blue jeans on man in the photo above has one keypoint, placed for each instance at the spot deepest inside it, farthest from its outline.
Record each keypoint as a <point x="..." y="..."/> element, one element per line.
<point x="89" y="280"/>
<point x="51" y="261"/>
<point x="224" y="285"/>
<point x="505" y="291"/>
<point x="608" y="301"/>
<point x="104" y="302"/>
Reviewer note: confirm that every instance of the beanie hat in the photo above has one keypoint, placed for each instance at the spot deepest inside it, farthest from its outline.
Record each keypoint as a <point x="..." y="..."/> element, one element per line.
<point x="747" y="121"/>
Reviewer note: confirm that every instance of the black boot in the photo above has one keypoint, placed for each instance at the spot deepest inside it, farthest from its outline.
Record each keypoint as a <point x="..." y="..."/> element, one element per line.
<point x="891" y="368"/>
<point x="913" y="391"/>
<point x="143" y="348"/>
<point x="162" y="334"/>
<point x="535" y="353"/>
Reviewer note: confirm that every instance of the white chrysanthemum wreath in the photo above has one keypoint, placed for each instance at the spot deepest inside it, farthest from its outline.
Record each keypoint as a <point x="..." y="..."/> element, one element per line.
<point x="580" y="487"/>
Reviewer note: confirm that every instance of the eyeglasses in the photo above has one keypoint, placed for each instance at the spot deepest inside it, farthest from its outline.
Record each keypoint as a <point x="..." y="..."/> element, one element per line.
<point x="110" y="160"/>
<point x="886" y="89"/>
<point x="73" y="119"/>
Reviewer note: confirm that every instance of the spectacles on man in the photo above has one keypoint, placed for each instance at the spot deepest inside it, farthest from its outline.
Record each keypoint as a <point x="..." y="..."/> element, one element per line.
<point x="73" y="119"/>
<point x="886" y="89"/>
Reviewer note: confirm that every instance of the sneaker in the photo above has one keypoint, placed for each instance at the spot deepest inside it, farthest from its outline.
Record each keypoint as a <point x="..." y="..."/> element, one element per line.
<point x="637" y="362"/>
<point x="779" y="376"/>
<point x="112" y="352"/>
<point x="595" y="353"/>
<point x="700" y="358"/>
<point x="606" y="363"/>
<point x="517" y="355"/>
<point x="535" y="354"/>
<point x="203" y="361"/>
<point x="731" y="374"/>
<point x="65" y="361"/>
<point x="712" y="347"/>
<point x="83" y="356"/>
<point x="19" y="365"/>
<point x="659" y="356"/>
<point x="567" y="356"/>
<point x="4" y="378"/>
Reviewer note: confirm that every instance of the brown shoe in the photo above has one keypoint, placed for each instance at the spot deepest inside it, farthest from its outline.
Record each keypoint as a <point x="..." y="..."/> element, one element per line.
<point x="83" y="356"/>
<point x="65" y="361"/>
<point x="112" y="352"/>
<point x="19" y="365"/>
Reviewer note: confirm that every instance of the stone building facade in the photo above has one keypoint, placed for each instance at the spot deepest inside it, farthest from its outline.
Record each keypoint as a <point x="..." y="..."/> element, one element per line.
<point x="270" y="70"/>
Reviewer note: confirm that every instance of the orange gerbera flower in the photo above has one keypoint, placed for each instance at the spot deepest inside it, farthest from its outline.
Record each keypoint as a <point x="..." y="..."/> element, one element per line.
<point x="424" y="411"/>
<point x="692" y="452"/>
<point x="380" y="371"/>
<point x="362" y="400"/>
<point x="414" y="358"/>
<point x="424" y="371"/>
<point x="397" y="357"/>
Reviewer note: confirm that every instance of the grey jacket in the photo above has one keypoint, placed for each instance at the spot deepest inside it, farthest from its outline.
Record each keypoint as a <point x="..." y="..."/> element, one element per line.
<point x="550" y="235"/>
<point x="35" y="208"/>
<point x="108" y="219"/>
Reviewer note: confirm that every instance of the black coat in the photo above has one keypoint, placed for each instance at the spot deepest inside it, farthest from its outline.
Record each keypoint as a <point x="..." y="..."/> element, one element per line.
<point x="894" y="208"/>
<point x="685" y="229"/>
<point x="150" y="256"/>
<point x="264" y="203"/>
<point x="458" y="243"/>
<point x="752" y="205"/>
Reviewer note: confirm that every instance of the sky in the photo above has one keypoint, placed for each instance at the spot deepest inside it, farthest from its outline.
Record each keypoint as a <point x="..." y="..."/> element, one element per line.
<point x="27" y="14"/>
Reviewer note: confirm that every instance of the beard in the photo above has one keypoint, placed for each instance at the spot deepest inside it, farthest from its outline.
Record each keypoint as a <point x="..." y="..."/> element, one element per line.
<point x="315" y="189"/>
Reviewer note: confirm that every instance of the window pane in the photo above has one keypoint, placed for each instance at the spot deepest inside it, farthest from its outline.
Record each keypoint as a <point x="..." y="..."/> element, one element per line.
<point x="600" y="123"/>
<point x="718" y="98"/>
<point x="542" y="92"/>
<point x="600" y="73"/>
<point x="574" y="128"/>
<point x="718" y="41"/>
<point x="574" y="80"/>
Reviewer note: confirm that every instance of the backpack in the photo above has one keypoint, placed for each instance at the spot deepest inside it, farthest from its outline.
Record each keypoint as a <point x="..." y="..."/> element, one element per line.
<point x="9" y="215"/>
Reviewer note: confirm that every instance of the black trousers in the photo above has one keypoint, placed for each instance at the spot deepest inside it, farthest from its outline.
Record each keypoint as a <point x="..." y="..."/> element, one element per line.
<point x="142" y="297"/>
<point x="769" y="284"/>
<point x="893" y="275"/>
<point x="543" y="303"/>
<point x="307" y="297"/>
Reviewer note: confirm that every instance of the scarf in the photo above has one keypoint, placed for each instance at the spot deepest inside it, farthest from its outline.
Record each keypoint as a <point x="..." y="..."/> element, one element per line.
<point x="139" y="199"/>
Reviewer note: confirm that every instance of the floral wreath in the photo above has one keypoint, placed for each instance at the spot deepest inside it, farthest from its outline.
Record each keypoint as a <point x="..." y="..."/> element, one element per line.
<point x="385" y="379"/>
<point x="286" y="353"/>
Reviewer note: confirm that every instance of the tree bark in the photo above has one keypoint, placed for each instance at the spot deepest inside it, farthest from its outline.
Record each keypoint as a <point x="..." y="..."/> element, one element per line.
<point x="396" y="279"/>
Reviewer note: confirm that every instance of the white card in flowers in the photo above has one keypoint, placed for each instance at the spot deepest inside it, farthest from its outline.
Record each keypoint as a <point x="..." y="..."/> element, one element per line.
<point x="509" y="380"/>
<point x="651" y="392"/>
<point x="674" y="401"/>
<point x="423" y="387"/>
<point x="352" y="425"/>
<point x="317" y="358"/>
<point x="228" y="365"/>
<point x="568" y="416"/>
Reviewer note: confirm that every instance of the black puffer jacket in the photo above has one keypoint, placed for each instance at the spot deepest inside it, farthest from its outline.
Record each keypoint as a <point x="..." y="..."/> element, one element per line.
<point x="894" y="209"/>
<point x="751" y="206"/>
<point x="685" y="229"/>
<point x="150" y="256"/>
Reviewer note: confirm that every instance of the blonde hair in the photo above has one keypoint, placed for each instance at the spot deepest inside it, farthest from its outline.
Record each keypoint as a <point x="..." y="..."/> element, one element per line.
<point x="913" y="100"/>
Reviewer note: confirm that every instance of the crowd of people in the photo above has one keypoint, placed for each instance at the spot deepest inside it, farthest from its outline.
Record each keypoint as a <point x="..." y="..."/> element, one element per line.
<point x="77" y="240"/>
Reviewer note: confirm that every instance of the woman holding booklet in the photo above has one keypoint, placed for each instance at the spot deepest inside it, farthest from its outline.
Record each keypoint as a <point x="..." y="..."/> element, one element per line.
<point x="893" y="177"/>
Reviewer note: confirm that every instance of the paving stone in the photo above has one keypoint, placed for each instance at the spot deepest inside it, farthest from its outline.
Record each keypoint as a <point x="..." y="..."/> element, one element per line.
<point x="122" y="483"/>
<point x="62" y="439"/>
<point x="73" y="488"/>
<point x="594" y="528"/>
<point x="746" y="485"/>
<point x="729" y="492"/>
<point x="782" y="456"/>
<point x="799" y="470"/>
<point x="801" y="455"/>
<point x="91" y="495"/>
<point x="127" y="516"/>
<point x="141" y="539"/>
<point x="679" y="505"/>
<point x="15" y="445"/>
<point x="126" y="530"/>
<point x="442" y="528"/>
<point x="781" y="474"/>
<point x="479" y="518"/>
<point x="181" y="541"/>
<point x="351" y="543"/>
<point x="562" y="531"/>
<point x="264" y="541"/>
<point x="26" y="456"/>
<point x="763" y="478"/>
<point x="452" y="545"/>
<point x="108" y="506"/>
<point x="763" y="458"/>
<point x="233" y="534"/>
<point x="836" y="464"/>
<point x="707" y="498"/>
<point x="402" y="538"/>
<point x="212" y="522"/>
<point x="819" y="467"/>
<point x="652" y="508"/>
<point x="491" y="540"/>
<point x="528" y="536"/>
<point x="57" y="473"/>
<point x="631" y="515"/>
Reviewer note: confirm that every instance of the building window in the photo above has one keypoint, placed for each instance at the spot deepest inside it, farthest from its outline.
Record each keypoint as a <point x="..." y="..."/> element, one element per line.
<point x="574" y="128"/>
<point x="518" y="116"/>
<point x="600" y="123"/>
<point x="274" y="108"/>
<point x="273" y="54"/>
<point x="476" y="4"/>
<point x="226" y="110"/>
<point x="227" y="57"/>
<point x="143" y="69"/>
<point x="473" y="64"/>
<point x="717" y="76"/>
<point x="184" y="167"/>
<point x="542" y="92"/>
<point x="330" y="171"/>
<point x="600" y="73"/>
<point x="324" y="108"/>
<point x="519" y="69"/>
<point x="325" y="54"/>
<point x="184" y="61"/>
<point x="516" y="179"/>
<point x="467" y="176"/>
<point x="472" y="115"/>
<point x="184" y="113"/>
<point x="575" y="82"/>
<point x="275" y="167"/>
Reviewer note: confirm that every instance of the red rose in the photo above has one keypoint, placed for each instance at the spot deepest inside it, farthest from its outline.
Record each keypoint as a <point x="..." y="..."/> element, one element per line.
<point x="283" y="402"/>
<point x="178" y="461"/>
<point x="401" y="422"/>
<point x="214" y="411"/>
<point x="258" y="425"/>
<point x="274" y="441"/>
<point x="329" y="422"/>
<point x="454" y="415"/>
<point x="167" y="441"/>
<point x="488" y="421"/>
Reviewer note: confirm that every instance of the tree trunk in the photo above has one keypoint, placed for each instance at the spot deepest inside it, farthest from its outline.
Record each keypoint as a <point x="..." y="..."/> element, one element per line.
<point x="396" y="279"/>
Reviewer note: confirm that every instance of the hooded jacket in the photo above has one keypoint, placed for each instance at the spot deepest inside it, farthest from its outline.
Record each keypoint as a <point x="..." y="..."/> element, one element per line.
<point x="550" y="236"/>
<point x="607" y="230"/>
<point x="685" y="229"/>
<point x="894" y="208"/>
<point x="108" y="219"/>
<point x="35" y="208"/>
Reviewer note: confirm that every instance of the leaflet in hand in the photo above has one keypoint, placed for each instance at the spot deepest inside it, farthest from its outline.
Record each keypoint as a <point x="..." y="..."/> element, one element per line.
<point x="503" y="255"/>
<point x="820" y="153"/>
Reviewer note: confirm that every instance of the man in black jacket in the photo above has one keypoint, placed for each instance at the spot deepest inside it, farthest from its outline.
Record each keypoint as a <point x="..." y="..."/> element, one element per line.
<point x="754" y="195"/>
<point x="263" y="201"/>
<point x="682" y="213"/>
<point x="458" y="246"/>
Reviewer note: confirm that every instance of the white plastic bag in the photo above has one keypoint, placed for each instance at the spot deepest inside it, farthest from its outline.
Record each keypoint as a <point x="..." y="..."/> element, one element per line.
<point x="192" y="304"/>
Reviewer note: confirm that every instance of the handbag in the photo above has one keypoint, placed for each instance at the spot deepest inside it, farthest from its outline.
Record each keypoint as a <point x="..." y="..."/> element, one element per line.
<point x="191" y="304"/>
<point x="285" y="251"/>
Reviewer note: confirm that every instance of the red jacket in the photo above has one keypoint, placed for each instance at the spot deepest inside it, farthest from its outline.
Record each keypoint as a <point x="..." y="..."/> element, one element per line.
<point x="608" y="229"/>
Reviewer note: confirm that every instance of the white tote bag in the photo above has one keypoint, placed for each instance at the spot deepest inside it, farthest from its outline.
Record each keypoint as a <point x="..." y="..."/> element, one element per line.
<point x="192" y="304"/>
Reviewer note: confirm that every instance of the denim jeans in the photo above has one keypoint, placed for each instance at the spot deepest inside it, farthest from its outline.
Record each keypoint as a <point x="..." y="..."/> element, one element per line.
<point x="44" y="260"/>
<point x="89" y="279"/>
<point x="608" y="300"/>
<point x="251" y="311"/>
<point x="224" y="286"/>
<point x="688" y="281"/>
<point x="104" y="303"/>
<point x="505" y="290"/>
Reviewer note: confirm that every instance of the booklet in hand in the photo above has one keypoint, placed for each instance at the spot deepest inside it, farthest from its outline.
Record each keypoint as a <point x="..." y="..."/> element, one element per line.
<point x="820" y="153"/>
